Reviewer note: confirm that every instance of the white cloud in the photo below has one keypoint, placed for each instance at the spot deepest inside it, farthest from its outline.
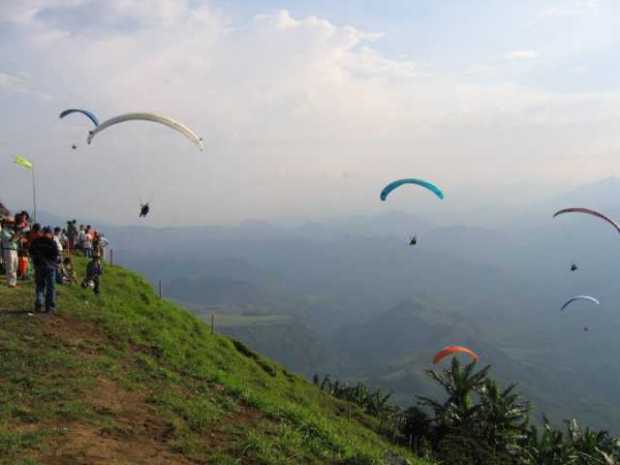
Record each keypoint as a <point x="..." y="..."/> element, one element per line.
<point x="12" y="83"/>
<point x="24" y="11"/>
<point x="522" y="55"/>
<point x="567" y="9"/>
<point x="285" y="105"/>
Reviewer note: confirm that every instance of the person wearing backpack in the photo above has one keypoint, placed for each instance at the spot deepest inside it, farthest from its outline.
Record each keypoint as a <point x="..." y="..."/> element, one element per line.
<point x="44" y="253"/>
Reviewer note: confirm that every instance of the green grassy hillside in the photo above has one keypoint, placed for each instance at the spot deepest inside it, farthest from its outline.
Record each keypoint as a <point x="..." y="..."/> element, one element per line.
<point x="127" y="378"/>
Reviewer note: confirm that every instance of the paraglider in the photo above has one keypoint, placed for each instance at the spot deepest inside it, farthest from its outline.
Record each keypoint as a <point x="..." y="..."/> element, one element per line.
<point x="588" y="211"/>
<point x="418" y="182"/>
<point x="88" y="114"/>
<point x="574" y="267"/>
<point x="452" y="350"/>
<point x="187" y="132"/>
<point x="144" y="210"/>
<point x="580" y="297"/>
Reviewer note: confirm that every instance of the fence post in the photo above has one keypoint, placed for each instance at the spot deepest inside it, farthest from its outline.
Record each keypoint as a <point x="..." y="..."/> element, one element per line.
<point x="161" y="289"/>
<point x="212" y="323"/>
<point x="111" y="256"/>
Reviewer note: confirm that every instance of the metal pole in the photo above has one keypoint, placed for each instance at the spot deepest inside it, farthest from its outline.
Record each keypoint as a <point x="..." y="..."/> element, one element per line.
<point x="161" y="289"/>
<point x="34" y="195"/>
<point x="111" y="256"/>
<point x="212" y="323"/>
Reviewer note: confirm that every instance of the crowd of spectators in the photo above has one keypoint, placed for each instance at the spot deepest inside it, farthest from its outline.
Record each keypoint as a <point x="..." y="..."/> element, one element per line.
<point x="30" y="250"/>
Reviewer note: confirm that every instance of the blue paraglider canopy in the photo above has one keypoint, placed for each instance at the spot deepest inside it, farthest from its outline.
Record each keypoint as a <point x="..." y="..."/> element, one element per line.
<point x="418" y="182"/>
<point x="88" y="114"/>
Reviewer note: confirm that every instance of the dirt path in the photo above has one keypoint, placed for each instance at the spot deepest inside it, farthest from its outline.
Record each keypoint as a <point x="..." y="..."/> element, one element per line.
<point x="135" y="433"/>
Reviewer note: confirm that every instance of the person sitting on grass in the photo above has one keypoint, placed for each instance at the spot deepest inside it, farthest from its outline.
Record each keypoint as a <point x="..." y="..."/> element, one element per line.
<point x="93" y="271"/>
<point x="67" y="272"/>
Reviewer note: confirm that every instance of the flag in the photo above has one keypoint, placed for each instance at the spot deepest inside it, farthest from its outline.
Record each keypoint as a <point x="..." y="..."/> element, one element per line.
<point x="21" y="161"/>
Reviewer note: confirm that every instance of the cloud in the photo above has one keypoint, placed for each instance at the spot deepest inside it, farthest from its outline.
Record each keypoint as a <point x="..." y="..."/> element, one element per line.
<point x="12" y="83"/>
<point x="522" y="55"/>
<point x="569" y="9"/>
<point x="20" y="83"/>
<point x="285" y="105"/>
<point x="25" y="11"/>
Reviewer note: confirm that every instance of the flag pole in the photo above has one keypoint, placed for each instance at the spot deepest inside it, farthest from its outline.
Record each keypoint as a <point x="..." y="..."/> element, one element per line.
<point x="34" y="195"/>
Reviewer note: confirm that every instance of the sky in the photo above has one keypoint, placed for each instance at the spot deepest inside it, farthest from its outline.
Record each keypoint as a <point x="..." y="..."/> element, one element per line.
<point x="306" y="108"/>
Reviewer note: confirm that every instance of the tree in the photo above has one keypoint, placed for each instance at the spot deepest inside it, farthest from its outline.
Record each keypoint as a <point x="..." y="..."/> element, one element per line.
<point x="459" y="409"/>
<point x="504" y="418"/>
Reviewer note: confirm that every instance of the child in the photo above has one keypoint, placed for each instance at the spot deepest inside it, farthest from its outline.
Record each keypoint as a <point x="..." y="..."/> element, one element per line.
<point x="67" y="273"/>
<point x="93" y="271"/>
<point x="23" y="265"/>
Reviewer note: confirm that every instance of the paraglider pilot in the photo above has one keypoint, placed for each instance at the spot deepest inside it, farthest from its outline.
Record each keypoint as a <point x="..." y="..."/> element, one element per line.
<point x="144" y="210"/>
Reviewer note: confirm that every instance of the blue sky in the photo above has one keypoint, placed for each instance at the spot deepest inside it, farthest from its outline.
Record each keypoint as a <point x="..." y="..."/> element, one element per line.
<point x="307" y="108"/>
<point x="454" y="35"/>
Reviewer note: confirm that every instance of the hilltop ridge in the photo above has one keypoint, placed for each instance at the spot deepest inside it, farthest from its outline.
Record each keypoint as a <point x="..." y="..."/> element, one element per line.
<point x="128" y="378"/>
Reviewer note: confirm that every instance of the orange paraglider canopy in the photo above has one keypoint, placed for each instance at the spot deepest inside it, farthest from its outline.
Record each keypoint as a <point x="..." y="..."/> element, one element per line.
<point x="451" y="350"/>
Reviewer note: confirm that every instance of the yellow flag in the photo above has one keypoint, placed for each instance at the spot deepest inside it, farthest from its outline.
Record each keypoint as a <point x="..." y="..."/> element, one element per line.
<point x="21" y="161"/>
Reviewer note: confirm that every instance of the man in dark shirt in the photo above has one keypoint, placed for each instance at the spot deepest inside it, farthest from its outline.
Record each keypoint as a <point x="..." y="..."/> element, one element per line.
<point x="44" y="253"/>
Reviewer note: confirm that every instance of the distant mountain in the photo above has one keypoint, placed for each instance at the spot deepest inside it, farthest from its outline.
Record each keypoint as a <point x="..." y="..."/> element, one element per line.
<point x="380" y="307"/>
<point x="410" y="327"/>
<point x="393" y="350"/>
<point x="282" y="338"/>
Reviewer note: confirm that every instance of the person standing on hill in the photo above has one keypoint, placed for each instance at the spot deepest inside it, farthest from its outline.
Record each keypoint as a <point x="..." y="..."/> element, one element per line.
<point x="88" y="242"/>
<point x="95" y="235"/>
<point x="103" y="243"/>
<point x="22" y="220"/>
<point x="4" y="211"/>
<point x="31" y="235"/>
<point x="72" y="235"/>
<point x="9" y="243"/>
<point x="58" y="241"/>
<point x="81" y="237"/>
<point x="44" y="253"/>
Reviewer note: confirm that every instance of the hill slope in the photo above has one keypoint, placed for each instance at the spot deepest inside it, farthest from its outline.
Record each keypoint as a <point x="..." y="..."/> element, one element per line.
<point x="127" y="378"/>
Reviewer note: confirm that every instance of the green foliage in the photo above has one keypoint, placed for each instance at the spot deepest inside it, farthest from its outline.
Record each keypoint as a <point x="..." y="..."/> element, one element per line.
<point x="481" y="424"/>
<point x="375" y="403"/>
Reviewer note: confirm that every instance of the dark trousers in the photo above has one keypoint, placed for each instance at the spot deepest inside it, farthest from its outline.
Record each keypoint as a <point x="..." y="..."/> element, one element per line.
<point x="91" y="279"/>
<point x="45" y="280"/>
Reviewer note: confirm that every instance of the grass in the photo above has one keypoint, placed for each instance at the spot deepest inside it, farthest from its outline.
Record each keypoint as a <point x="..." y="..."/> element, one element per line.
<point x="122" y="377"/>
